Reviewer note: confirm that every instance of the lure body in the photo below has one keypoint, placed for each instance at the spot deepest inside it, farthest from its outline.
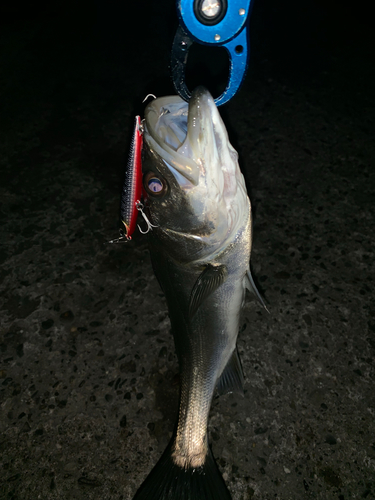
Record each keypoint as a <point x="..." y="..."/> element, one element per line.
<point x="132" y="190"/>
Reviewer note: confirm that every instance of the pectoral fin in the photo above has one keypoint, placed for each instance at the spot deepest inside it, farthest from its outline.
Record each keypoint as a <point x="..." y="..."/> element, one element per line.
<point x="250" y="285"/>
<point x="209" y="281"/>
<point x="232" y="379"/>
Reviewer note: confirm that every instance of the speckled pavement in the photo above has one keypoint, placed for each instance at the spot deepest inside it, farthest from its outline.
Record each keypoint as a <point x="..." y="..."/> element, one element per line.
<point x="88" y="372"/>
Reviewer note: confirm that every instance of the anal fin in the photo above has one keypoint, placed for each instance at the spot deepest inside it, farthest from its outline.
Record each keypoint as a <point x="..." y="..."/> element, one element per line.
<point x="232" y="379"/>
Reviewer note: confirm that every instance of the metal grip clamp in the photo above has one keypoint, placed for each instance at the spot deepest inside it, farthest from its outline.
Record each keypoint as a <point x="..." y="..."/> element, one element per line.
<point x="215" y="23"/>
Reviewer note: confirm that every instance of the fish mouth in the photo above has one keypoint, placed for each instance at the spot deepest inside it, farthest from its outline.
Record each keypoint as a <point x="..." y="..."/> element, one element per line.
<point x="192" y="142"/>
<point x="187" y="136"/>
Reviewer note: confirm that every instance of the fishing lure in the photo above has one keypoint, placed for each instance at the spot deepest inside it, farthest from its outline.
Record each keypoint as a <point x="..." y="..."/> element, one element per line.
<point x="132" y="191"/>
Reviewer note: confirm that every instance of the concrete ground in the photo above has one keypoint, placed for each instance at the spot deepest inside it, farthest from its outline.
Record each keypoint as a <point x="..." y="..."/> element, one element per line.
<point x="88" y="372"/>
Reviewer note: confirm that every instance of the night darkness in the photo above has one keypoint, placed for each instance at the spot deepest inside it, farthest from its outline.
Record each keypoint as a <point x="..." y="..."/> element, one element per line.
<point x="88" y="372"/>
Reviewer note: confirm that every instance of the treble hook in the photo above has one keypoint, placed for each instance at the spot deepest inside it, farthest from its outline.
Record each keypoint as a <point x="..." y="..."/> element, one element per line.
<point x="122" y="239"/>
<point x="140" y="207"/>
<point x="147" y="96"/>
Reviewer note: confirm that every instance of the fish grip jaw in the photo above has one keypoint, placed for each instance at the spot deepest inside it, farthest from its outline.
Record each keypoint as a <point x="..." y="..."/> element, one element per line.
<point x="229" y="29"/>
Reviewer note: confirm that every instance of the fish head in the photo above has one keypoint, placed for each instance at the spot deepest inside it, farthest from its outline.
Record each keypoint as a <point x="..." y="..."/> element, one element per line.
<point x="196" y="193"/>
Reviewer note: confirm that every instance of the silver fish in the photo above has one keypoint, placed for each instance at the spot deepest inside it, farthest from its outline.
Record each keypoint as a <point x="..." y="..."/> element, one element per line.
<point x="200" y="250"/>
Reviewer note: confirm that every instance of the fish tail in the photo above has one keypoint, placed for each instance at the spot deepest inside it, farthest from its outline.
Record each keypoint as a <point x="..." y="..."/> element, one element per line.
<point x="168" y="481"/>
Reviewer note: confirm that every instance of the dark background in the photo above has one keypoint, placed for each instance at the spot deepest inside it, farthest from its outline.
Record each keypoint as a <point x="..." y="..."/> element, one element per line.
<point x="88" y="374"/>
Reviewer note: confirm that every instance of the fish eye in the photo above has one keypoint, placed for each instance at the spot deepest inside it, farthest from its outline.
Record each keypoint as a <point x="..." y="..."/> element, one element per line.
<point x="154" y="184"/>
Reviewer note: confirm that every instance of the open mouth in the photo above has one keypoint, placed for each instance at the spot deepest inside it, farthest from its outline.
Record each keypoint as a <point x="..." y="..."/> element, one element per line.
<point x="171" y="126"/>
<point x="183" y="134"/>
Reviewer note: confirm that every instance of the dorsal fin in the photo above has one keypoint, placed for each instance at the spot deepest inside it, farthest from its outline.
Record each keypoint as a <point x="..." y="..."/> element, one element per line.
<point x="211" y="278"/>
<point x="250" y="285"/>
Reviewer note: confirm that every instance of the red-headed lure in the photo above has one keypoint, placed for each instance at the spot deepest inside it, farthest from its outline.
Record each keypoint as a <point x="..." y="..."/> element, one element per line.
<point x="132" y="190"/>
<point x="131" y="198"/>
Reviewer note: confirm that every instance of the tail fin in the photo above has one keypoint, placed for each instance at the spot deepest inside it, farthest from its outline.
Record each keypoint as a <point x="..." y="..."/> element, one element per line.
<point x="168" y="481"/>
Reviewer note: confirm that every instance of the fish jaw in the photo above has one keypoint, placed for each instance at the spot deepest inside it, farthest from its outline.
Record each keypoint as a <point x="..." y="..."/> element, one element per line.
<point x="165" y="137"/>
<point x="207" y="199"/>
